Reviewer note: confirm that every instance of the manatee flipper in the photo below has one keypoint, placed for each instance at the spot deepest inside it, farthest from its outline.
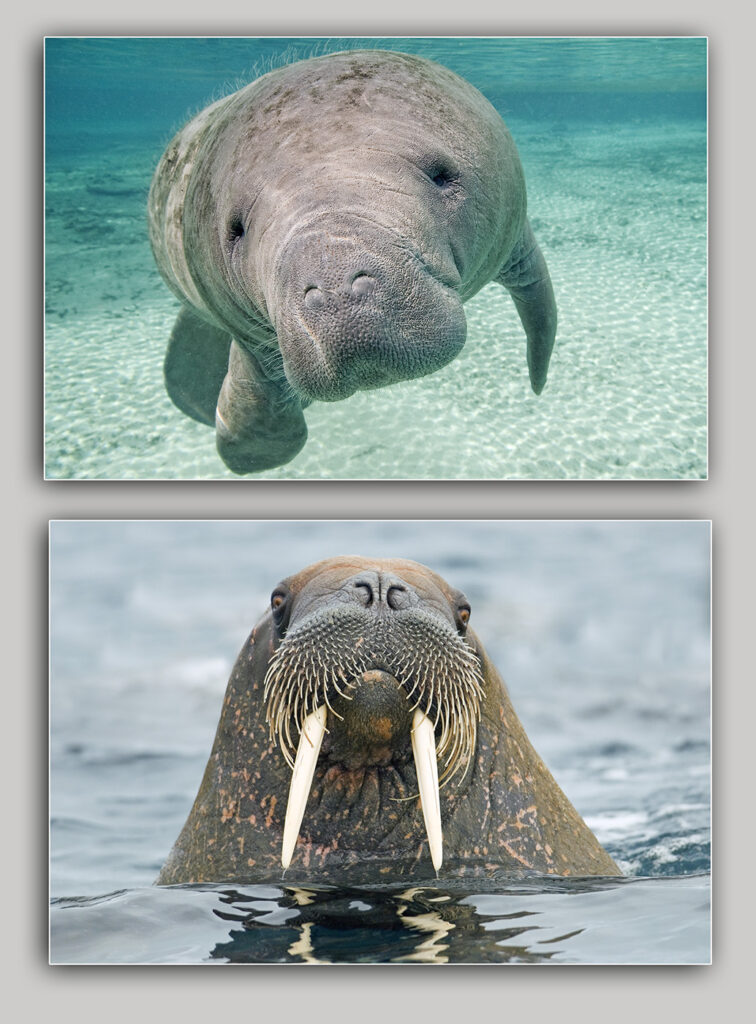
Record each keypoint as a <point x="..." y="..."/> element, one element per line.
<point x="526" y="277"/>
<point x="258" y="423"/>
<point x="195" y="366"/>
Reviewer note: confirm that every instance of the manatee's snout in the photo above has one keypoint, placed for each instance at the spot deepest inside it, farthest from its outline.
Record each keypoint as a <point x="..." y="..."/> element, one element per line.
<point x="317" y="295"/>
<point x="352" y="316"/>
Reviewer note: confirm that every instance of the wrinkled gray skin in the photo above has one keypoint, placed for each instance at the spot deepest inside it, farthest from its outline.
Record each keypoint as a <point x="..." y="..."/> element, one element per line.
<point x="323" y="227"/>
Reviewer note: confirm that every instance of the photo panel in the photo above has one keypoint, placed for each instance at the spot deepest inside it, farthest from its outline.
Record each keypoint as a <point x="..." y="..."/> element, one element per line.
<point x="560" y="669"/>
<point x="296" y="258"/>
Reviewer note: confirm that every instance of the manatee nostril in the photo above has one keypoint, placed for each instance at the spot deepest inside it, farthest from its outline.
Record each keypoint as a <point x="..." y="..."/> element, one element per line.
<point x="363" y="284"/>
<point x="314" y="297"/>
<point x="397" y="598"/>
<point x="364" y="592"/>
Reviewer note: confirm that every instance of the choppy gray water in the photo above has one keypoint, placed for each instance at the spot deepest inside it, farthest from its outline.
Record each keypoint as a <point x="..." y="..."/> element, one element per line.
<point x="601" y="631"/>
<point x="612" y="135"/>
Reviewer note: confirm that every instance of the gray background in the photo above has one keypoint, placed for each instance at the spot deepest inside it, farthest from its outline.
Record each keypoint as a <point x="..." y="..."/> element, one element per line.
<point x="727" y="498"/>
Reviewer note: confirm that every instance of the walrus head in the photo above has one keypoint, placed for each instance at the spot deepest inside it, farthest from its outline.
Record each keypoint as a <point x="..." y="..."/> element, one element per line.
<point x="363" y="726"/>
<point x="379" y="662"/>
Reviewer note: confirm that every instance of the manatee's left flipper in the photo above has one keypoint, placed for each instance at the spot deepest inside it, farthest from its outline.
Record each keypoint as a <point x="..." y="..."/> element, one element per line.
<point x="258" y="423"/>
<point x="195" y="365"/>
<point x="526" y="277"/>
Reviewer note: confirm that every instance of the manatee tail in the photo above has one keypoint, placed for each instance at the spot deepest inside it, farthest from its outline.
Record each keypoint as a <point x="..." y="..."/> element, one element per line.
<point x="526" y="277"/>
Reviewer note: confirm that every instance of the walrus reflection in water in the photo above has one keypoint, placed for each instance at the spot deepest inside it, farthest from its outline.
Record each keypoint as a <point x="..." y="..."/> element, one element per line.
<point x="365" y="735"/>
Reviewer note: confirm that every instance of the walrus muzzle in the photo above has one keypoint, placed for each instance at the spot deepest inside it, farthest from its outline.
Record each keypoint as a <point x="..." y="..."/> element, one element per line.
<point x="376" y="680"/>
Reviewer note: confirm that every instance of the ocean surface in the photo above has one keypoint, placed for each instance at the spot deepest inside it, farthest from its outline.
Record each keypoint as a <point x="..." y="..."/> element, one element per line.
<point x="612" y="134"/>
<point x="601" y="631"/>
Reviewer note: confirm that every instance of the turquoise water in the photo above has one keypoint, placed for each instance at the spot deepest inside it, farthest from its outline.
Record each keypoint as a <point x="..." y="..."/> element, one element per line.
<point x="612" y="135"/>
<point x="600" y="630"/>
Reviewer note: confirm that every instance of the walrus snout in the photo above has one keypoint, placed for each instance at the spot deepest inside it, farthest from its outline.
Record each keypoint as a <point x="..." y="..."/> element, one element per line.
<point x="372" y="727"/>
<point x="375" y="672"/>
<point x="380" y="591"/>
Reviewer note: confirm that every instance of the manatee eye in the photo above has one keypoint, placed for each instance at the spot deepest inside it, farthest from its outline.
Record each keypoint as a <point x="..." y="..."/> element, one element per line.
<point x="279" y="606"/>
<point x="235" y="230"/>
<point x="463" y="617"/>
<point x="441" y="175"/>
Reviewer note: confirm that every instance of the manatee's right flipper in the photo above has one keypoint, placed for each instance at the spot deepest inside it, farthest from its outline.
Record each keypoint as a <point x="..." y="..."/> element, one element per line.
<point x="258" y="423"/>
<point x="526" y="277"/>
<point x="195" y="365"/>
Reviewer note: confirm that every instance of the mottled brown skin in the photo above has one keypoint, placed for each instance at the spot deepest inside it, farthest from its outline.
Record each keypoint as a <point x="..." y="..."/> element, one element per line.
<point x="507" y="813"/>
<point x="324" y="226"/>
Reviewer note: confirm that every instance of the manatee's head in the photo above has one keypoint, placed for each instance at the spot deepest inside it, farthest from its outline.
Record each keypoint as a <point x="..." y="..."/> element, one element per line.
<point x="375" y="690"/>
<point x="368" y="197"/>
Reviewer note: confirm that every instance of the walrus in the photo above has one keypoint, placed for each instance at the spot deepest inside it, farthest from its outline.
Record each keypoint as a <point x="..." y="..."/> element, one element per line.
<point x="365" y="735"/>
<point x="323" y="227"/>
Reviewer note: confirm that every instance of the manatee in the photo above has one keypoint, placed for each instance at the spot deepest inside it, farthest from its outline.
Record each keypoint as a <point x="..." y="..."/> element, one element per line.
<point x="323" y="227"/>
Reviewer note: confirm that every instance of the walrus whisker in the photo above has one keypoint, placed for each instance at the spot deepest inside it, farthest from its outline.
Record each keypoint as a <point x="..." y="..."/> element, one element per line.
<point x="341" y="693"/>
<point x="414" y="687"/>
<point x="330" y="708"/>
<point x="417" y="702"/>
<point x="289" y="743"/>
<point x="293" y="717"/>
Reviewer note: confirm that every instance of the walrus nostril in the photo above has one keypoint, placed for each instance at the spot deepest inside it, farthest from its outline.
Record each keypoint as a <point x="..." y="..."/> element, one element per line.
<point x="314" y="297"/>
<point x="397" y="598"/>
<point x="363" y="284"/>
<point x="364" y="592"/>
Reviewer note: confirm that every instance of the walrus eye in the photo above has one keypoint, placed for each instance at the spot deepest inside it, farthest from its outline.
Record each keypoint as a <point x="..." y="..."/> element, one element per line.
<point x="462" y="617"/>
<point x="279" y="606"/>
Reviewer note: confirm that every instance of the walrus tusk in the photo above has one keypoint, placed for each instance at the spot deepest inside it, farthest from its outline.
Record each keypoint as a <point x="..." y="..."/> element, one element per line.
<point x="310" y="740"/>
<point x="424" y="751"/>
